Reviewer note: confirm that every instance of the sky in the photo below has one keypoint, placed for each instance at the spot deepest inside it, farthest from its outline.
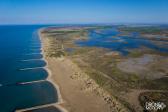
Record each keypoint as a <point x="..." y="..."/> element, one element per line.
<point x="83" y="11"/>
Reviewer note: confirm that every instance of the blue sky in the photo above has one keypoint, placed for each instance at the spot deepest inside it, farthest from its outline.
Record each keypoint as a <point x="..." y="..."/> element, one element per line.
<point x="83" y="11"/>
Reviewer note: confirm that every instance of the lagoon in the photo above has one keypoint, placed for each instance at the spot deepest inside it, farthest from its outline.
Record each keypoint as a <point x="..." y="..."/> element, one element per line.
<point x="111" y="39"/>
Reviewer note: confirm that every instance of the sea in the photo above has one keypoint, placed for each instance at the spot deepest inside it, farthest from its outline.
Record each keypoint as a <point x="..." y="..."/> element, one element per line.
<point x="23" y="75"/>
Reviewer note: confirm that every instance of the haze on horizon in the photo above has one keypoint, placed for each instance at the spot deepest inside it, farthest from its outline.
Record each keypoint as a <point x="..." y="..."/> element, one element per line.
<point x="83" y="11"/>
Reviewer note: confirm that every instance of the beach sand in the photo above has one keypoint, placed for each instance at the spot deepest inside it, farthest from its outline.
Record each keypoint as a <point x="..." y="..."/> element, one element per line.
<point x="73" y="97"/>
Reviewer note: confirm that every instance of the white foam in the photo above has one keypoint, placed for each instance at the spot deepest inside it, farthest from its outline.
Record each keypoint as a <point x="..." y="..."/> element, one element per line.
<point x="30" y="68"/>
<point x="33" y="59"/>
<point x="33" y="53"/>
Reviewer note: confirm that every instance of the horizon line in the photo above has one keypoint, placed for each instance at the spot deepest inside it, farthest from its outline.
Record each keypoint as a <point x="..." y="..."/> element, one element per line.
<point x="114" y="23"/>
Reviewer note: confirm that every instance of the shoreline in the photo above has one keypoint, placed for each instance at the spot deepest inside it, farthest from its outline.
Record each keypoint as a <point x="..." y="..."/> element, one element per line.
<point x="77" y="96"/>
<point x="60" y="100"/>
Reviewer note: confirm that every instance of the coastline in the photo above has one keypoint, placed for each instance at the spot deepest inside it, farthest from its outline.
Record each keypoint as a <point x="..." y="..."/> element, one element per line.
<point x="74" y="95"/>
<point x="60" y="100"/>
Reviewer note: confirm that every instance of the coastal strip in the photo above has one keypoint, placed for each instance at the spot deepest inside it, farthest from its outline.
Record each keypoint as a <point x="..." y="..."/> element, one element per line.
<point x="79" y="91"/>
<point x="60" y="100"/>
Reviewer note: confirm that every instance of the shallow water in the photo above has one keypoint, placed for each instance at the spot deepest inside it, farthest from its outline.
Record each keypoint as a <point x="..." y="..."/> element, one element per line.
<point x="108" y="38"/>
<point x="21" y="49"/>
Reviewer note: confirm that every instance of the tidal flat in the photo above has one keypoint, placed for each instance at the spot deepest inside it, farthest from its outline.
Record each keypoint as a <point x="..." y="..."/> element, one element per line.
<point x="129" y="63"/>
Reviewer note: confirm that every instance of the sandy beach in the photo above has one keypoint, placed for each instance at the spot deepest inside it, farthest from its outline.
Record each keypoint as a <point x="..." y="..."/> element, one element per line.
<point x="75" y="96"/>
<point x="74" y="99"/>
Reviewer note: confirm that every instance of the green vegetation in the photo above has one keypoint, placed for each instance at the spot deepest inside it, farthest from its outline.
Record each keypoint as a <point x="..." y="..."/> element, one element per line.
<point x="145" y="30"/>
<point x="135" y="54"/>
<point x="157" y="84"/>
<point x="59" y="31"/>
<point x="138" y="52"/>
<point x="99" y="78"/>
<point x="61" y="39"/>
<point x="56" y="54"/>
